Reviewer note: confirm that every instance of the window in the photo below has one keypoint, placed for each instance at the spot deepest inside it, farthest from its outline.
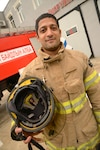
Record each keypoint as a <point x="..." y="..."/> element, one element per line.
<point x="20" y="13"/>
<point x="36" y="3"/>
<point x="11" y="20"/>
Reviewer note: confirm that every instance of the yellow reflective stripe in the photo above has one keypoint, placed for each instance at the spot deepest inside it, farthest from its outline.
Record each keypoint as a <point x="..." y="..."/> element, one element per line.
<point x="68" y="107"/>
<point x="79" y="102"/>
<point x="14" y="115"/>
<point x="26" y="82"/>
<point x="88" y="145"/>
<point x="53" y="147"/>
<point x="76" y="104"/>
<point x="94" y="82"/>
<point x="12" y="123"/>
<point x="60" y="109"/>
<point x="90" y="77"/>
<point x="91" y="80"/>
<point x="72" y="105"/>
<point x="97" y="115"/>
<point x="91" y="144"/>
<point x="12" y="95"/>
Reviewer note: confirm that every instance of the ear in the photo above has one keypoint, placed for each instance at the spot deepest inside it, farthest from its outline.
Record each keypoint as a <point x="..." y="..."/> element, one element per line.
<point x="37" y="36"/>
<point x="60" y="32"/>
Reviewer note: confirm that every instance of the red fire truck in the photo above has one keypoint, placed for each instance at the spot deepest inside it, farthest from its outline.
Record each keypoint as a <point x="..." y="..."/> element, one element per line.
<point x="16" y="51"/>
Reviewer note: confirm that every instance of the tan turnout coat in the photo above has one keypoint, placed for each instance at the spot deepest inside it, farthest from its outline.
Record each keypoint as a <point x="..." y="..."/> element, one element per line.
<point x="73" y="80"/>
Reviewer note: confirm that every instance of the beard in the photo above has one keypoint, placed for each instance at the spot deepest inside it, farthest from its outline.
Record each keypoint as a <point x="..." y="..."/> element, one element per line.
<point x="52" y="47"/>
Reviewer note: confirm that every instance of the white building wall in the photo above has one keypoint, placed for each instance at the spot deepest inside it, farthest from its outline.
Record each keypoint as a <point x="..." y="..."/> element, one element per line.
<point x="93" y="25"/>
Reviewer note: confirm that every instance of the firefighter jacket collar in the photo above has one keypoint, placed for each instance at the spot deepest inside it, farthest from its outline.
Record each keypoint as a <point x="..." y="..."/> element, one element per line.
<point x="60" y="56"/>
<point x="47" y="58"/>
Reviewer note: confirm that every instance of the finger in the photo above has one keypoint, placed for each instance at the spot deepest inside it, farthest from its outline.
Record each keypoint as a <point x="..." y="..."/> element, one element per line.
<point x="18" y="130"/>
<point x="28" y="140"/>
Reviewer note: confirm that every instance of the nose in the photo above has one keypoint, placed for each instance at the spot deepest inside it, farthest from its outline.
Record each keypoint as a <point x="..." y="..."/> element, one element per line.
<point x="49" y="32"/>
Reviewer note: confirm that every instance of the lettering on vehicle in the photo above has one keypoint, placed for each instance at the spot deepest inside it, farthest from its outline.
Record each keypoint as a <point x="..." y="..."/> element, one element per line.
<point x="15" y="53"/>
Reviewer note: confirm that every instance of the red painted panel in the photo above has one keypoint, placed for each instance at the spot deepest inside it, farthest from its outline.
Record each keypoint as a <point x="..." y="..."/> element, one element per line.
<point x="10" y="68"/>
<point x="7" y="43"/>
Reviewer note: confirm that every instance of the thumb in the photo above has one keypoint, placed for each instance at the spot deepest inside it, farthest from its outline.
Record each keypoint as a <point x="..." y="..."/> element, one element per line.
<point x="18" y="130"/>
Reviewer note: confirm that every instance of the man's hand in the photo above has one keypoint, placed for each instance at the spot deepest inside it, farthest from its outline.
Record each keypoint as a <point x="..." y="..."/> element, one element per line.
<point x="18" y="131"/>
<point x="28" y="135"/>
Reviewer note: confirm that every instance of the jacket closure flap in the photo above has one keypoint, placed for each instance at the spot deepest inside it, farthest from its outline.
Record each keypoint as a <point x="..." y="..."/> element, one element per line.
<point x="73" y="86"/>
<point x="70" y="65"/>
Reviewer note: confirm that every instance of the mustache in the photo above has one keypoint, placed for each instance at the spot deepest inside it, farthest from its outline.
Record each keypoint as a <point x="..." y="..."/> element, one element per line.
<point x="50" y="38"/>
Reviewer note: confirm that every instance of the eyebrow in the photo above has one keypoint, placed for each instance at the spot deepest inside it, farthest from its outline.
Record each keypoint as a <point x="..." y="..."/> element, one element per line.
<point x="49" y="25"/>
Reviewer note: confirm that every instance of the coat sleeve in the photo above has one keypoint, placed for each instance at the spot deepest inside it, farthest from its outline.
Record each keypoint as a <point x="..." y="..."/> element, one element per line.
<point x="92" y="87"/>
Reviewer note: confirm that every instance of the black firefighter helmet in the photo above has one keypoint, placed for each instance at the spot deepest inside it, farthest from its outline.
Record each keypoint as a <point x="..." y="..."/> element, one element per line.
<point x="31" y="104"/>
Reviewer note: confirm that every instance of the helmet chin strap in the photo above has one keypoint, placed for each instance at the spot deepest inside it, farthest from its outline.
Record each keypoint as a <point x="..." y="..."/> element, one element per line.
<point x="22" y="137"/>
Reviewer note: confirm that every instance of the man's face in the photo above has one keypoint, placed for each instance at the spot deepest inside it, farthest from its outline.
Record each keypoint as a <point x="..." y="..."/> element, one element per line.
<point x="49" y="34"/>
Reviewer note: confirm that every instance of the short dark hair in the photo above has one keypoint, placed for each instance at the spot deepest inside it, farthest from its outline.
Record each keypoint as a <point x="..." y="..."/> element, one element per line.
<point x="45" y="15"/>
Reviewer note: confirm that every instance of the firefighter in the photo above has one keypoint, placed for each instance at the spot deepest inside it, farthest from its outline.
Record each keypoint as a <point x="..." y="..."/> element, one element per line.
<point x="75" y="83"/>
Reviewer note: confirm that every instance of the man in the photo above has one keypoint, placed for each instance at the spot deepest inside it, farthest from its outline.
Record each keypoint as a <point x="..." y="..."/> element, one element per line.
<point x="73" y="81"/>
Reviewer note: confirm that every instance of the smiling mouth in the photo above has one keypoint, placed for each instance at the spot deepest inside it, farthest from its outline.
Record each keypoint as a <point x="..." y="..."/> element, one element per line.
<point x="50" y="40"/>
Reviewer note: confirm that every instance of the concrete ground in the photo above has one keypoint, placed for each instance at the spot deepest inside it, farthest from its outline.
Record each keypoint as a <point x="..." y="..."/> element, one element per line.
<point x="6" y="143"/>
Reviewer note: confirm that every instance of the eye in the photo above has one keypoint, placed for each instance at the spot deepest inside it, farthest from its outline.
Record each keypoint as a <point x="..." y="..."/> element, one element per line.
<point x="42" y="30"/>
<point x="54" y="28"/>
